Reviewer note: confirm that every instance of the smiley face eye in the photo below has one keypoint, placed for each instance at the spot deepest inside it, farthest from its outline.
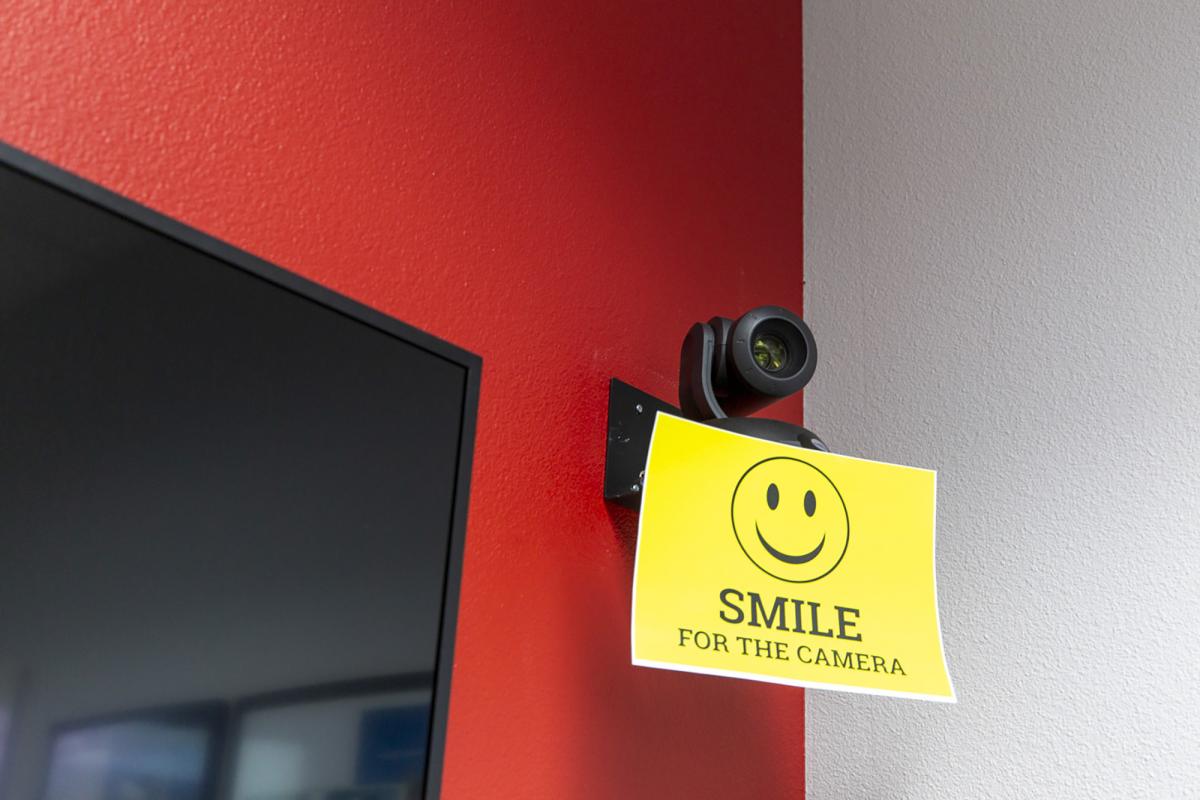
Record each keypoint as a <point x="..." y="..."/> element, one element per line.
<point x="810" y="503"/>
<point x="773" y="496"/>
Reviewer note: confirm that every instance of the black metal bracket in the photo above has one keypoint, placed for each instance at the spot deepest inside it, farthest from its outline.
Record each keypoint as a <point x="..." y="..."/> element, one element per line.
<point x="631" y="414"/>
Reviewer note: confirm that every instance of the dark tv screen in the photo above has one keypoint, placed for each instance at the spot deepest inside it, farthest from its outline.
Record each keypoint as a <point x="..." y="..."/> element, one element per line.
<point x="218" y="481"/>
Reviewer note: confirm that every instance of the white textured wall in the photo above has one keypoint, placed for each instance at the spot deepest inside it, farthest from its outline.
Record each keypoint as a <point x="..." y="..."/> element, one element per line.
<point x="1002" y="254"/>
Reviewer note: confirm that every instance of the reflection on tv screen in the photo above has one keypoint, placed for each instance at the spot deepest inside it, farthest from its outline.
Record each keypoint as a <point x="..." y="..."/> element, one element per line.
<point x="364" y="741"/>
<point x="3" y="741"/>
<point x="130" y="761"/>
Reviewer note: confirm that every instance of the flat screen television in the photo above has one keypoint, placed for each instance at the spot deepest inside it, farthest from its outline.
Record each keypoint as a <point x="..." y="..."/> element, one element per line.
<point x="217" y="481"/>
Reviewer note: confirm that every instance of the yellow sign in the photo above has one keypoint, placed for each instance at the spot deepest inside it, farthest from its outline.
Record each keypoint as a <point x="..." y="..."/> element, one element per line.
<point x="764" y="561"/>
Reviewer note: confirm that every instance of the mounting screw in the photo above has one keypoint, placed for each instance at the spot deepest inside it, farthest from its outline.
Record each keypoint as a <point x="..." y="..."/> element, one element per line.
<point x="638" y="408"/>
<point x="642" y="475"/>
<point x="635" y="488"/>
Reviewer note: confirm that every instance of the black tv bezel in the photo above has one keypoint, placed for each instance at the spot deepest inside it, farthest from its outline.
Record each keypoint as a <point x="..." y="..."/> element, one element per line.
<point x="471" y="364"/>
<point x="212" y="716"/>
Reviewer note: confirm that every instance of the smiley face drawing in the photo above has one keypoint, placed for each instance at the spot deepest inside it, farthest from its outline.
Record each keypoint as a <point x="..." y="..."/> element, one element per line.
<point x="790" y="519"/>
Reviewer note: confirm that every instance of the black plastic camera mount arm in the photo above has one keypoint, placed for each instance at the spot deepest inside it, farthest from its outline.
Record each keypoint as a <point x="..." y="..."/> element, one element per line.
<point x="696" y="395"/>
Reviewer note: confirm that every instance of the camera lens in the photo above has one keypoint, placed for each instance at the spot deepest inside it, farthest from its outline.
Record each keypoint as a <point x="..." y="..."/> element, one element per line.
<point x="734" y="368"/>
<point x="769" y="352"/>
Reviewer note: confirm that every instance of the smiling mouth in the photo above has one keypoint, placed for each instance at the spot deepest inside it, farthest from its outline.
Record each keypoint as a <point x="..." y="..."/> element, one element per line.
<point x="784" y="557"/>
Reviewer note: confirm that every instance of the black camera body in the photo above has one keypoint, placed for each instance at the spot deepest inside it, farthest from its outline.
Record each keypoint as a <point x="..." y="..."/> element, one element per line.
<point x="729" y="369"/>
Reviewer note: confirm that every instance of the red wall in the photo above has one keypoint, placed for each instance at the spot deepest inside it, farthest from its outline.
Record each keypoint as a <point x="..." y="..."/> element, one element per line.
<point x="561" y="189"/>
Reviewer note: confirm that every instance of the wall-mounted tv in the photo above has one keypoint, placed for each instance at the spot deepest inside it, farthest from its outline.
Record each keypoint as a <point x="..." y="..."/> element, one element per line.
<point x="217" y="480"/>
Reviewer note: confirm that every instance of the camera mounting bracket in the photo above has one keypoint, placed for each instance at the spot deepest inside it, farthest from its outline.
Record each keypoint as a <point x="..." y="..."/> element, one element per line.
<point x="631" y="414"/>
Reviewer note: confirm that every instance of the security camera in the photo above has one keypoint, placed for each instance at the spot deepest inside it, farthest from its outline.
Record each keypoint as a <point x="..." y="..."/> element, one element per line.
<point x="729" y="369"/>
